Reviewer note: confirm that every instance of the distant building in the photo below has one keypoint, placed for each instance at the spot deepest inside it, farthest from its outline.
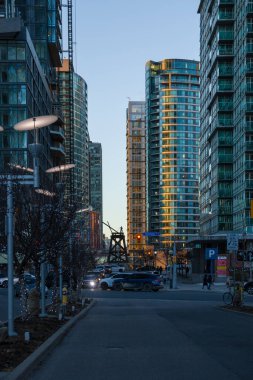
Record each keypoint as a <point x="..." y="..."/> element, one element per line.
<point x="96" y="185"/>
<point x="94" y="232"/>
<point x="172" y="125"/>
<point x="76" y="148"/>
<point x="136" y="178"/>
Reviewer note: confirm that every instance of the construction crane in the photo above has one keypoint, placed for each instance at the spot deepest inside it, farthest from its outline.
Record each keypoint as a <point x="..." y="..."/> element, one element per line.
<point x="117" y="249"/>
<point x="70" y="93"/>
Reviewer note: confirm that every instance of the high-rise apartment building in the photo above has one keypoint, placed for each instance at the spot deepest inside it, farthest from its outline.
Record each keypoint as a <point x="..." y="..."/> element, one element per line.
<point x="76" y="146"/>
<point x="226" y="114"/>
<point x="96" y="191"/>
<point x="136" y="177"/>
<point x="30" y="49"/>
<point x="172" y="123"/>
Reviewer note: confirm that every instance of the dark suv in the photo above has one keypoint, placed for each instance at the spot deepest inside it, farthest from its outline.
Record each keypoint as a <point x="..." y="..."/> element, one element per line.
<point x="138" y="281"/>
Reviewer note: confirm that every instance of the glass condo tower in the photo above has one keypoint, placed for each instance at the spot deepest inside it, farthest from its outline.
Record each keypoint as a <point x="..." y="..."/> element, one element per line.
<point x="172" y="148"/>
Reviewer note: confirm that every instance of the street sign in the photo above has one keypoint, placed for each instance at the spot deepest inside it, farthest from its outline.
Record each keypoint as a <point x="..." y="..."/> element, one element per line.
<point x="211" y="253"/>
<point x="151" y="233"/>
<point x="232" y="242"/>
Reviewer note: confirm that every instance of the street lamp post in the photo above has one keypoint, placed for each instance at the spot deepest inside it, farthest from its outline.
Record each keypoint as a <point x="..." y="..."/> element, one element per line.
<point x="36" y="122"/>
<point x="60" y="188"/>
<point x="174" y="276"/>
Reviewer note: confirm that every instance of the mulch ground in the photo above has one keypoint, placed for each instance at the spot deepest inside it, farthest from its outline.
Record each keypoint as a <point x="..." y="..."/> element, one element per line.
<point x="14" y="350"/>
<point x="242" y="309"/>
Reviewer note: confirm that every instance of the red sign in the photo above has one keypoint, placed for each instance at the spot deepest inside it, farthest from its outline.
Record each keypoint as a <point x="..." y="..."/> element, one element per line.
<point x="221" y="270"/>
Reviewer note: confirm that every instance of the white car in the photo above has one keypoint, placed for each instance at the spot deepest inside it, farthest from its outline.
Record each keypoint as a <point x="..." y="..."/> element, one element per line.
<point x="107" y="282"/>
<point x="4" y="281"/>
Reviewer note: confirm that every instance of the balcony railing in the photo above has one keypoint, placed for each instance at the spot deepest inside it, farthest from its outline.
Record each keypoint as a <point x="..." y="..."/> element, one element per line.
<point x="225" y="36"/>
<point x="225" y="158"/>
<point x="249" y="126"/>
<point x="225" y="70"/>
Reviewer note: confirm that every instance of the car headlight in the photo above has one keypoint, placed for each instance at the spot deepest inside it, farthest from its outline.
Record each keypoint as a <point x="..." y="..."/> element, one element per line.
<point x="92" y="283"/>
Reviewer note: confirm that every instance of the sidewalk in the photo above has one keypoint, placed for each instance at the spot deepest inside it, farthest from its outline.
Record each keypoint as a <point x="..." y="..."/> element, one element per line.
<point x="216" y="287"/>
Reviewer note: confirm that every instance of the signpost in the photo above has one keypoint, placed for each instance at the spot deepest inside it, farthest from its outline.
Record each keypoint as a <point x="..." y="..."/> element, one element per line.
<point x="232" y="242"/>
<point x="232" y="246"/>
<point x="211" y="253"/>
<point x="151" y="234"/>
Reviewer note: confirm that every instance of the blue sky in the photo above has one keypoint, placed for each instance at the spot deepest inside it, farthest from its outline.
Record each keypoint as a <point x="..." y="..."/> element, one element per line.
<point x="113" y="41"/>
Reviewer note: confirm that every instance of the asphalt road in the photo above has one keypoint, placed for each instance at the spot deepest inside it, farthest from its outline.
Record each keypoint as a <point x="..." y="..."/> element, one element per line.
<point x="164" y="294"/>
<point x="136" y="335"/>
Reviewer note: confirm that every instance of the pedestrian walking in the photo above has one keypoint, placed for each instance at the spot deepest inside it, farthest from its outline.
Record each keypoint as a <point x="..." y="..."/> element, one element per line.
<point x="205" y="283"/>
<point x="209" y="281"/>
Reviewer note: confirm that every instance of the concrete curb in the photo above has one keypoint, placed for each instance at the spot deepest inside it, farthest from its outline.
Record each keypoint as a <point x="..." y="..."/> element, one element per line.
<point x="26" y="367"/>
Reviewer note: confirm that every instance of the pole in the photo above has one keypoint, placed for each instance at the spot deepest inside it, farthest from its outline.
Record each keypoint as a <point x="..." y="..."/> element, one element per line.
<point x="60" y="278"/>
<point x="42" y="272"/>
<point x="174" y="278"/>
<point x="10" y="231"/>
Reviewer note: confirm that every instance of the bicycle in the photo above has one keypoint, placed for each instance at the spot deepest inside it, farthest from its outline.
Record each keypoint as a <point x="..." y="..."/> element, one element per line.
<point x="228" y="298"/>
<point x="235" y="298"/>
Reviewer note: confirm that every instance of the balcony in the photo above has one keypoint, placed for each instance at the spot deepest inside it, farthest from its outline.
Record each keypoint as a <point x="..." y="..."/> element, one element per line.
<point x="249" y="87"/>
<point x="225" y="36"/>
<point x="225" y="122"/>
<point x="57" y="133"/>
<point x="225" y="158"/>
<point x="225" y="210"/>
<point x="226" y="2"/>
<point x="249" y="165"/>
<point x="226" y="16"/>
<point x="225" y="141"/>
<point x="249" y="69"/>
<point x="225" y="87"/>
<point x="225" y="193"/>
<point x="57" y="149"/>
<point x="249" y="126"/>
<point x="248" y="146"/>
<point x="225" y="51"/>
<point x="249" y="48"/>
<point x="228" y="106"/>
<point x="225" y="70"/>
<point x="249" y="9"/>
<point x="249" y="107"/>
<point x="249" y="29"/>
<point x="249" y="184"/>
<point x="222" y="176"/>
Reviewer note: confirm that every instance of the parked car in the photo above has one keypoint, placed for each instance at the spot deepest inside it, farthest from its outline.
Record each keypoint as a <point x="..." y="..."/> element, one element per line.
<point x="90" y="281"/>
<point x="115" y="268"/>
<point x="248" y="287"/>
<point x="139" y="281"/>
<point x="4" y="281"/>
<point x="107" y="282"/>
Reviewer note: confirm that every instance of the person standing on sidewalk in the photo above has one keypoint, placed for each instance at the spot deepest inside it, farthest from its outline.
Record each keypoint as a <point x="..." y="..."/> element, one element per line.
<point x="205" y="283"/>
<point x="209" y="281"/>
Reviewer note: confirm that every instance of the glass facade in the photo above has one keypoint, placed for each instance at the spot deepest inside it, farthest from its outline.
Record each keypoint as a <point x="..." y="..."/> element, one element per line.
<point x="226" y="150"/>
<point x="24" y="92"/>
<point x="43" y="20"/>
<point x="80" y="140"/>
<point x="96" y="186"/>
<point x="27" y="80"/>
<point x="172" y="150"/>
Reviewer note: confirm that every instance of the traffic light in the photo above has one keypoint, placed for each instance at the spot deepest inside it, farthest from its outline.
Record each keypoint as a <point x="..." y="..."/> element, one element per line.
<point x="138" y="238"/>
